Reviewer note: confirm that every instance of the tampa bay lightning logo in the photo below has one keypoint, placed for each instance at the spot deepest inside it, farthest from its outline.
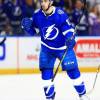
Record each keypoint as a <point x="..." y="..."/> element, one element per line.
<point x="51" y="32"/>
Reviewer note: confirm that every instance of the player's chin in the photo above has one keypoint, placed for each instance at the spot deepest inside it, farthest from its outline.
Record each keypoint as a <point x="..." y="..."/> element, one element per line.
<point x="44" y="9"/>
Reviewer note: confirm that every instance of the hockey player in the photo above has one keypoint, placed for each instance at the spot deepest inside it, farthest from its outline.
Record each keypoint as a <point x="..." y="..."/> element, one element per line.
<point x="56" y="35"/>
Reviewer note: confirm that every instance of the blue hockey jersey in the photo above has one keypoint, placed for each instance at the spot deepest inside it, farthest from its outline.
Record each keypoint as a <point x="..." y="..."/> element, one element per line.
<point x="55" y="29"/>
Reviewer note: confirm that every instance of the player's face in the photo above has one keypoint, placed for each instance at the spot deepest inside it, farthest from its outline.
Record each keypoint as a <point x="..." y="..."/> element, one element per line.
<point x="44" y="4"/>
<point x="79" y="4"/>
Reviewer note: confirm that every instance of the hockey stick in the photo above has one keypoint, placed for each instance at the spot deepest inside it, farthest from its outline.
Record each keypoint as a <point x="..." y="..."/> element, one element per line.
<point x="95" y="80"/>
<point x="56" y="71"/>
<point x="3" y="40"/>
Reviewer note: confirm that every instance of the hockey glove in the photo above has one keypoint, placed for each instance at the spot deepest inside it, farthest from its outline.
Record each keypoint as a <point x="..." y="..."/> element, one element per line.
<point x="70" y="43"/>
<point x="26" y="24"/>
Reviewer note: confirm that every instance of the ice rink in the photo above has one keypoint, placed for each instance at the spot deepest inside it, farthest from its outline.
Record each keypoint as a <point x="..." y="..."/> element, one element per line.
<point x="29" y="87"/>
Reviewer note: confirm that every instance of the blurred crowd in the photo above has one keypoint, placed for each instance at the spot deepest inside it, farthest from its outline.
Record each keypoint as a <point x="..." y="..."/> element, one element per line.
<point x="12" y="12"/>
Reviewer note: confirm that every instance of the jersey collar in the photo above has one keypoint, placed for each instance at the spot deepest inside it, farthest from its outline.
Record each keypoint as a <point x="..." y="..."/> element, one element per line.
<point x="54" y="9"/>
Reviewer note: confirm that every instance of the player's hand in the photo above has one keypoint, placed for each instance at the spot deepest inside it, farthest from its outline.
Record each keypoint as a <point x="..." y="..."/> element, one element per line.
<point x="70" y="43"/>
<point x="26" y="24"/>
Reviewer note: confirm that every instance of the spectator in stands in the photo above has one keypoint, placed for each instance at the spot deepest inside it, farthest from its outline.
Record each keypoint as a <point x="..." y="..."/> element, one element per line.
<point x="68" y="7"/>
<point x="14" y="13"/>
<point x="92" y="2"/>
<point x="15" y="10"/>
<point x="80" y="18"/>
<point x="59" y="3"/>
<point x="94" y="20"/>
<point x="28" y="7"/>
<point x="7" y="31"/>
<point x="3" y="16"/>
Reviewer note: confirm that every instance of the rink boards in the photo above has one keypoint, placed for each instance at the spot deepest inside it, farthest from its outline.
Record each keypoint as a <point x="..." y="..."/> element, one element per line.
<point x="21" y="54"/>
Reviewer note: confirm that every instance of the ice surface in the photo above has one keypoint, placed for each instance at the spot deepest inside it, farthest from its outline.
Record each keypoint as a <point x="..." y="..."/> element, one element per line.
<point x="29" y="87"/>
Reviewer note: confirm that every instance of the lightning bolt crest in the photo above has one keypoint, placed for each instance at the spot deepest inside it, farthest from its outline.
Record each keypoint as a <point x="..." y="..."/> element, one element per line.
<point x="49" y="30"/>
